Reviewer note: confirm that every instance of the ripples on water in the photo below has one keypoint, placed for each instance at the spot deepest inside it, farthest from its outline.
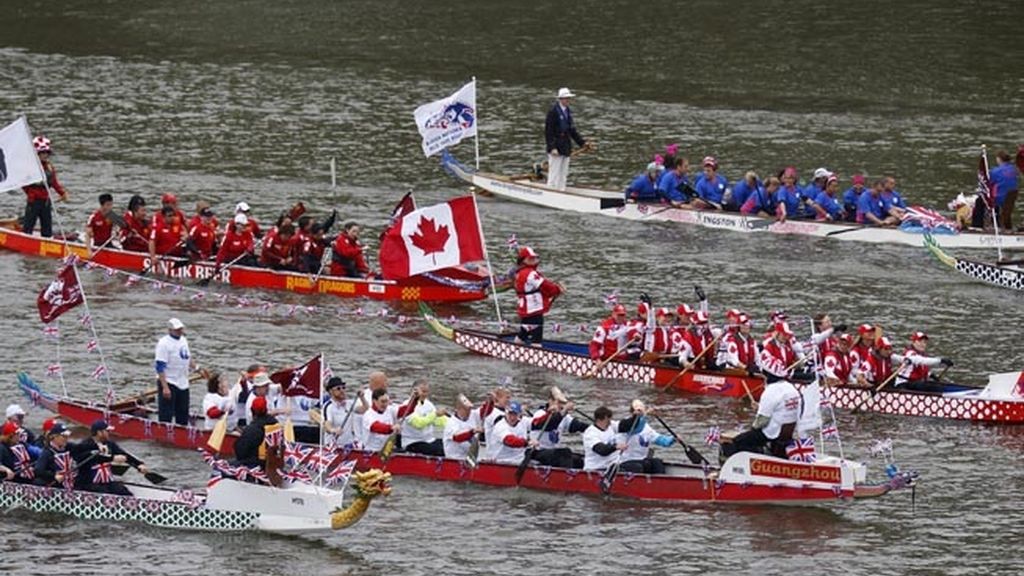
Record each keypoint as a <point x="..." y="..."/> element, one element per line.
<point x="224" y="106"/>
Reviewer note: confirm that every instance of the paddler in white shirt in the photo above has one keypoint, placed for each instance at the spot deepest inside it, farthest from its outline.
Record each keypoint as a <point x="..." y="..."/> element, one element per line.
<point x="173" y="363"/>
<point x="601" y="446"/>
<point x="639" y="438"/>
<point x="421" y="428"/>
<point x="511" y="436"/>
<point x="262" y="387"/>
<point x="460" y="429"/>
<point x="339" y="417"/>
<point x="383" y="417"/>
<point x="376" y="381"/>
<point x="217" y="401"/>
<point x="240" y="392"/>
<point x="549" y="424"/>
<point x="491" y="412"/>
<point x="777" y="415"/>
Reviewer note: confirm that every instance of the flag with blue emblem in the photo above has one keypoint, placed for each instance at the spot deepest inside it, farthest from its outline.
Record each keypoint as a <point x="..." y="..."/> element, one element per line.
<point x="444" y="123"/>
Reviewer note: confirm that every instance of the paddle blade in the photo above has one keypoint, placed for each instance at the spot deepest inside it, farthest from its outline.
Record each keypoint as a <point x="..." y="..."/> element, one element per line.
<point x="608" y="480"/>
<point x="473" y="455"/>
<point x="217" y="436"/>
<point x="607" y="203"/>
<point x="289" y="431"/>
<point x="155" y="477"/>
<point x="694" y="456"/>
<point x="389" y="447"/>
<point x="523" y="465"/>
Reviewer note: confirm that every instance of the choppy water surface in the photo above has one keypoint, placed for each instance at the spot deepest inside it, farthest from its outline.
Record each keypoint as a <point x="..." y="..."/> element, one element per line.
<point x="250" y="100"/>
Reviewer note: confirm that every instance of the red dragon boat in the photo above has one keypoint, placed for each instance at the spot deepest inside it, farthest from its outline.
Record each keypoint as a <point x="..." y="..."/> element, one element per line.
<point x="744" y="478"/>
<point x="458" y="284"/>
<point x="574" y="358"/>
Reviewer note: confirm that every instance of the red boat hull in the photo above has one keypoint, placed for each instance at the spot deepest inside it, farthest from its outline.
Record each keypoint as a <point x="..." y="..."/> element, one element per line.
<point x="465" y="284"/>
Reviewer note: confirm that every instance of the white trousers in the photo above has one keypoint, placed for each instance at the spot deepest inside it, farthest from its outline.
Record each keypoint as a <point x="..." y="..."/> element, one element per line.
<point x="558" y="171"/>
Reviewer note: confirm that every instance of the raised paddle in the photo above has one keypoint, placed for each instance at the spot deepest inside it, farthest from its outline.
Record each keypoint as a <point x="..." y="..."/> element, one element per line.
<point x="597" y="369"/>
<point x="217" y="269"/>
<point x="691" y="452"/>
<point x="695" y="360"/>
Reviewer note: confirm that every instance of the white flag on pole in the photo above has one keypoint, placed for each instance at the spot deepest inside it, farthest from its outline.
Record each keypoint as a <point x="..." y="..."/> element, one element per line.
<point x="447" y="121"/>
<point x="19" y="163"/>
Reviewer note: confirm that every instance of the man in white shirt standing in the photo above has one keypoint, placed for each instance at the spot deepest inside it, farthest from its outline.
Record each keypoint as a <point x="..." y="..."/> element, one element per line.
<point x="780" y="409"/>
<point x="173" y="363"/>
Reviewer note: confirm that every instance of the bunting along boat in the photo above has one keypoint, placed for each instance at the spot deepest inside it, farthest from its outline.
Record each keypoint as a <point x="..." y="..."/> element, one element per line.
<point x="744" y="478"/>
<point x="574" y="358"/>
<point x="611" y="203"/>
<point x="228" y="505"/>
<point x="1007" y="275"/>
<point x="458" y="284"/>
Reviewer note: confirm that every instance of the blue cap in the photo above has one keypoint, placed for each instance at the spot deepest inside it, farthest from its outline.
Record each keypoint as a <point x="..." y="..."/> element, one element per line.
<point x="99" y="426"/>
<point x="514" y="408"/>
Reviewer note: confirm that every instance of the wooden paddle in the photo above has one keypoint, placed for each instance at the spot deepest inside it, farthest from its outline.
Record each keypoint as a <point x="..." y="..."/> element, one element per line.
<point x="528" y="455"/>
<point x="695" y="360"/>
<point x="389" y="445"/>
<point x="597" y="369"/>
<point x="217" y="269"/>
<point x="216" y="439"/>
<point x="691" y="452"/>
<point x="608" y="479"/>
<point x="895" y="372"/>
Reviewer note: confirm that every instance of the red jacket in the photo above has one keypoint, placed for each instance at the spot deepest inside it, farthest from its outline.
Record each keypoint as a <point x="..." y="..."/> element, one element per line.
<point x="347" y="253"/>
<point x="204" y="238"/>
<point x="166" y="237"/>
<point x="38" y="191"/>
<point x="534" y="292"/>
<point x="235" y="244"/>
<point x="135" y="234"/>
<point x="605" y="342"/>
<point x="276" y="251"/>
<point x="101" y="228"/>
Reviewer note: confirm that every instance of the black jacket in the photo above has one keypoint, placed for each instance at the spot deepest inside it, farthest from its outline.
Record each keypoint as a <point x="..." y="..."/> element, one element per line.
<point x="559" y="131"/>
<point x="247" y="447"/>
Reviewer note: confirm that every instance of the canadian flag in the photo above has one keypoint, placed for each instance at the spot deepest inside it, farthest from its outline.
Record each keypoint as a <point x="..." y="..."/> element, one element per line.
<point x="432" y="238"/>
<point x="63" y="294"/>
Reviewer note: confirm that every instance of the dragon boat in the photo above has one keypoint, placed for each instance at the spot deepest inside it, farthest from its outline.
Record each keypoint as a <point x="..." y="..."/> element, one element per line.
<point x="1004" y="275"/>
<point x="743" y="478"/>
<point x="611" y="203"/>
<point x="457" y="284"/>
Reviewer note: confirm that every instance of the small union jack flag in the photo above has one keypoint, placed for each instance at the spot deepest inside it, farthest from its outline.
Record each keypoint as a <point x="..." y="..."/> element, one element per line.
<point x="557" y="327"/>
<point x="109" y="396"/>
<point x="92" y="346"/>
<point x="341" y="473"/>
<point x="801" y="450"/>
<point x="274" y="439"/>
<point x="102" y="474"/>
<point x="611" y="299"/>
<point x="358" y="311"/>
<point x="383" y="312"/>
<point x="85" y="320"/>
<point x="65" y="466"/>
<point x="296" y="475"/>
<point x="54" y="369"/>
<point x="830" y="432"/>
<point x="131" y="281"/>
<point x="713" y="436"/>
<point x="198" y="296"/>
<point x="99" y="371"/>
<point x="51" y="331"/>
<point x="512" y="243"/>
<point x="291" y="310"/>
<point x="110" y="272"/>
<point x="642" y="208"/>
<point x="327" y="372"/>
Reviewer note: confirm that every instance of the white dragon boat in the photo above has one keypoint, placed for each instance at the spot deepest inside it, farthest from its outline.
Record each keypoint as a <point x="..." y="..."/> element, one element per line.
<point x="1004" y="275"/>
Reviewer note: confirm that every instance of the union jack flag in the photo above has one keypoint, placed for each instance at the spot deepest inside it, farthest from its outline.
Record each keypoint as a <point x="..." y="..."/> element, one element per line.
<point x="1018" y="389"/>
<point x="801" y="450"/>
<point x="642" y="208"/>
<point x="109" y="396"/>
<point x="296" y="475"/>
<point x="986" y="188"/>
<point x="54" y="369"/>
<point x="274" y="439"/>
<point x="327" y="372"/>
<point x="51" y="331"/>
<point x="131" y="281"/>
<point x="23" y="462"/>
<point x="713" y="436"/>
<point x="830" y="432"/>
<point x="102" y="474"/>
<point x="291" y="310"/>
<point x="319" y="459"/>
<point x="512" y="243"/>
<point x="65" y="466"/>
<point x="85" y="320"/>
<point x="157" y="286"/>
<point x="295" y="454"/>
<point x="266" y="306"/>
<point x="99" y="371"/>
<point x="611" y="299"/>
<point x="176" y="289"/>
<point x="341" y="473"/>
<point x="110" y="272"/>
<point x="92" y="345"/>
<point x="359" y="311"/>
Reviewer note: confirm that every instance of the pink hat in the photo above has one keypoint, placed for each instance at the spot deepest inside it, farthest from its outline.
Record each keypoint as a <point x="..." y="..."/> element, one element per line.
<point x="672" y="149"/>
<point x="709" y="161"/>
<point x="659" y="159"/>
<point x="858" y="179"/>
<point x="789" y="171"/>
<point x="831" y="179"/>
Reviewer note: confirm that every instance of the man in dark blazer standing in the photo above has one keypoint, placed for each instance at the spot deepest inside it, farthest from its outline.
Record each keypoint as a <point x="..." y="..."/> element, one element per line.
<point x="560" y="131"/>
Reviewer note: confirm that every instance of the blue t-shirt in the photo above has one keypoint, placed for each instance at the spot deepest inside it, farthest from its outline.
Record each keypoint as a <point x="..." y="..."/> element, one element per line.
<point x="850" y="197"/>
<point x="1004" y="177"/>
<point x="869" y="204"/>
<point x="890" y="199"/>
<point x="671" y="185"/>
<point x="642" y="189"/>
<point x="742" y="190"/>
<point x="830" y="205"/>
<point x="711" y="191"/>
<point x="790" y="197"/>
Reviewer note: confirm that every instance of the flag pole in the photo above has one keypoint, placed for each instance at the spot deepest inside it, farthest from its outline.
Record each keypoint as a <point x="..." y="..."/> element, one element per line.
<point x="63" y="383"/>
<point x="476" y="135"/>
<point x="319" y="406"/>
<point x="487" y="258"/>
<point x="92" y="327"/>
<point x="995" y="215"/>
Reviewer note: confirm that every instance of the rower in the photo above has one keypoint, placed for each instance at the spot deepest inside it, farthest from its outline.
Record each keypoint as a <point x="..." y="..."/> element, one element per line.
<point x="638" y="436"/>
<point x="167" y="237"/>
<point x="892" y="201"/>
<point x="377" y="380"/>
<point x="743" y="190"/>
<point x="610" y="336"/>
<point x="549" y="424"/>
<point x="380" y="421"/>
<point x="339" y="421"/>
<point x="787" y="197"/>
<point x="202" y="206"/>
<point x="263" y="387"/>
<point x="838" y="363"/>
<point x="778" y="353"/>
<point x="763" y="201"/>
<point x="870" y="208"/>
<point x="662" y="342"/>
<point x="16" y="414"/>
<point x="168" y="200"/>
<point x="710" y="186"/>
<point x="55" y="465"/>
<point x="250" y="221"/>
<point x="862" y="345"/>
<point x="247" y="447"/>
<point x="240" y="392"/>
<point x="695" y="341"/>
<point x="636" y="329"/>
<point x="202" y="235"/>
<point x="817" y="184"/>
<point x="777" y="414"/>
<point x="823" y="336"/>
<point x="217" y="403"/>
<point x="100" y="226"/>
<point x="491" y="412"/>
<point x="852" y="195"/>
<point x="311" y="250"/>
<point x="15" y="454"/>
<point x="877" y="368"/>
<point x="239" y="243"/>
<point x="425" y="422"/>
<point x="830" y="207"/>
<point x="512" y="436"/>
<point x="94" y="457"/>
<point x="347" y="253"/>
<point x="276" y="252"/>
<point x="136" y="230"/>
<point x="674" y="184"/>
<point x="916" y="368"/>
<point x="459" y="429"/>
<point x="534" y="296"/>
<point x="601" y="445"/>
<point x="644" y="188"/>
<point x="741" y="350"/>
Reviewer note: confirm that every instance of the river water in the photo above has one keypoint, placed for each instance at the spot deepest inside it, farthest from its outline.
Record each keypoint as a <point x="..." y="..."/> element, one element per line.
<point x="249" y="100"/>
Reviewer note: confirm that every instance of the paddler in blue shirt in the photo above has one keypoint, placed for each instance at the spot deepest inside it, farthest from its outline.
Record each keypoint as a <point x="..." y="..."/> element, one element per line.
<point x="826" y="199"/>
<point x="644" y="187"/>
<point x="742" y="190"/>
<point x="851" y="195"/>
<point x="869" y="208"/>
<point x="787" y="198"/>
<point x="674" y="185"/>
<point x="710" y="186"/>
<point x="892" y="201"/>
<point x="761" y="201"/>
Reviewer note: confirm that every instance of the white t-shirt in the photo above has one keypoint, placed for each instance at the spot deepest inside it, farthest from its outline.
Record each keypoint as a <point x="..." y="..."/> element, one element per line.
<point x="637" y="443"/>
<point x="551" y="438"/>
<point x="273" y="401"/>
<point x="593" y="436"/>
<point x="214" y="400"/>
<point x="425" y="412"/>
<point x="336" y="414"/>
<point x="175" y="355"/>
<point x="357" y="418"/>
<point x="300" y="407"/>
<point x="453" y="427"/>
<point x="509" y="454"/>
<point x="374" y="440"/>
<point x="780" y="402"/>
<point x="496" y="415"/>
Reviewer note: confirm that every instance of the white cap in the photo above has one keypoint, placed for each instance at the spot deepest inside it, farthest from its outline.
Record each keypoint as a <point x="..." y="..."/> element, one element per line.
<point x="261" y="379"/>
<point x="637" y="405"/>
<point x="565" y="93"/>
<point x="175" y="324"/>
<point x="821" y="173"/>
<point x="15" y="410"/>
<point x="241" y="219"/>
<point x="241" y="207"/>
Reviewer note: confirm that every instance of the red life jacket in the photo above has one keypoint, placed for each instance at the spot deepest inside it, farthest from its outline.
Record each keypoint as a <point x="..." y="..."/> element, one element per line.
<point x="101" y="228"/>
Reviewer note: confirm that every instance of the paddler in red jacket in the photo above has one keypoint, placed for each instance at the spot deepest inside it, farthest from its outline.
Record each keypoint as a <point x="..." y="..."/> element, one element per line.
<point x="202" y="235"/>
<point x="778" y="354"/>
<point x="100" y="226"/>
<point x="862" y="345"/>
<point x="347" y="253"/>
<point x="534" y="295"/>
<point x="37" y="196"/>
<point x="916" y="368"/>
<point x="277" y="248"/>
<point x="238" y="243"/>
<point x="740" y="347"/>
<point x="662" y="341"/>
<point x="135" y="233"/>
<point x="167" y="238"/>
<point x="610" y="335"/>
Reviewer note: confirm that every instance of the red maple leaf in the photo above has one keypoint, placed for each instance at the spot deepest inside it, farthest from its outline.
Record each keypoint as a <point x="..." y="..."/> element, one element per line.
<point x="430" y="237"/>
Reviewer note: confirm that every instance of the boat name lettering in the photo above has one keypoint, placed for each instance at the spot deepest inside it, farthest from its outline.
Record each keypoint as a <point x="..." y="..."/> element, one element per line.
<point x="336" y="287"/>
<point x="795" y="471"/>
<point x="708" y="379"/>
<point x="301" y="282"/>
<point x="512" y="187"/>
<point x="3" y="238"/>
<point x="720" y="221"/>
<point x="50" y="248"/>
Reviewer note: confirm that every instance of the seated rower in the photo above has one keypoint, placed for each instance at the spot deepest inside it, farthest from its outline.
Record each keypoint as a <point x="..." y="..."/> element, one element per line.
<point x="852" y="195"/>
<point x="610" y="336"/>
<point x="892" y="201"/>
<point x="877" y="368"/>
<point x="347" y="253"/>
<point x="202" y="236"/>
<point x="423" y="425"/>
<point x="549" y="424"/>
<point x="636" y="330"/>
<point x="674" y="184"/>
<point x="915" y="372"/>
<point x="741" y="350"/>
<point x="55" y="466"/>
<point x="276" y="251"/>
<point x="490" y="413"/>
<point x="15" y="455"/>
<point x="831" y="209"/>
<point x="710" y="186"/>
<point x="871" y="209"/>
<point x="601" y="444"/>
<point x="743" y="190"/>
<point x="202" y="206"/>
<point x="382" y="419"/>
<point x="94" y="457"/>
<point x="779" y="353"/>
<point x="696" y="341"/>
<point x="763" y="201"/>
<point x="100" y="227"/>
<point x="639" y="439"/>
<point x="262" y="387"/>
<point x="167" y="237"/>
<point x="250" y="221"/>
<point x="168" y="200"/>
<point x="644" y="188"/>
<point x="136" y="230"/>
<point x="247" y="447"/>
<point x="339" y="422"/>
<point x="16" y="414"/>
<point x="311" y="250"/>
<point x="460" y="429"/>
<point x="862" y="345"/>
<point x="239" y="244"/>
<point x="217" y="403"/>
<point x="838" y="364"/>
<point x="662" y="342"/>
<point x="511" y="436"/>
<point x="777" y="414"/>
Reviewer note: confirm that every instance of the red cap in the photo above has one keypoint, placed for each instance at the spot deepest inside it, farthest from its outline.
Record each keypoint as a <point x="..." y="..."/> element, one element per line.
<point x="641" y="309"/>
<point x="168" y="198"/>
<point x="48" y="424"/>
<point x="846" y="338"/>
<point x="743" y="319"/>
<point x="527" y="252"/>
<point x="684" y="310"/>
<point x="918" y="336"/>
<point x="700" y="317"/>
<point x="618" y="309"/>
<point x="733" y="313"/>
<point x="663" y="312"/>
<point x="865" y="329"/>
<point x="709" y="161"/>
<point x="783" y="328"/>
<point x="259" y="405"/>
<point x="9" y="429"/>
<point x="884" y="343"/>
<point x="858" y="179"/>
